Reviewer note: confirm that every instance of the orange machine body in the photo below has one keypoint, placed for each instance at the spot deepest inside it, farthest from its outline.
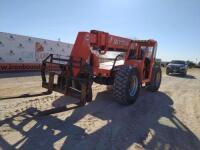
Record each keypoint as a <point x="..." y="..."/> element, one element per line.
<point x="102" y="42"/>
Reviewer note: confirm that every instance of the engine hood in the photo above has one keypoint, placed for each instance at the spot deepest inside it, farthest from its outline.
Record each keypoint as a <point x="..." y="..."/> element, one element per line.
<point x="176" y="65"/>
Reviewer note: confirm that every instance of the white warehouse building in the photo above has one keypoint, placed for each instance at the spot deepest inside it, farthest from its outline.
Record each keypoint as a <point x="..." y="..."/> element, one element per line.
<point x="25" y="50"/>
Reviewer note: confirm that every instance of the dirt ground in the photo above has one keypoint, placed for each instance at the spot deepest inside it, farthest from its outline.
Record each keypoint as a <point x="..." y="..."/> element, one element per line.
<point x="168" y="119"/>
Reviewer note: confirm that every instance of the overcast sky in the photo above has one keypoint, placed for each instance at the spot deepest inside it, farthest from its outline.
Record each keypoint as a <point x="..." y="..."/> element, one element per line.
<point x="175" y="24"/>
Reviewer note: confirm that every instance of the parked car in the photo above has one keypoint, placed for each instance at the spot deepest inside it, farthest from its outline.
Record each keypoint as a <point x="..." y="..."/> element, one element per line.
<point x="177" y="67"/>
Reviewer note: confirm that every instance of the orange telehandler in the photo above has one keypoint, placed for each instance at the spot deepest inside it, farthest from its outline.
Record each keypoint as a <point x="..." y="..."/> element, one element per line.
<point x="106" y="59"/>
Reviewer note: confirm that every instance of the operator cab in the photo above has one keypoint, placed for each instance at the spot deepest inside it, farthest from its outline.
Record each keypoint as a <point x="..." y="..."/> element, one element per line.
<point x="143" y="52"/>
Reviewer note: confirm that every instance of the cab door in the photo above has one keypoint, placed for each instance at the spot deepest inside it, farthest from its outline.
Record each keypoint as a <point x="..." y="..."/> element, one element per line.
<point x="148" y="62"/>
<point x="135" y="58"/>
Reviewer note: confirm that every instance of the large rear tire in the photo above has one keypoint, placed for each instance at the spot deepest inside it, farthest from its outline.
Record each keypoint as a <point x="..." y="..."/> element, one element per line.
<point x="167" y="72"/>
<point x="154" y="85"/>
<point x="126" y="85"/>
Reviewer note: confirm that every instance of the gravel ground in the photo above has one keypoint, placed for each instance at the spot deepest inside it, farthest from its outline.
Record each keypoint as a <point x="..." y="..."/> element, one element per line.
<point x="167" y="119"/>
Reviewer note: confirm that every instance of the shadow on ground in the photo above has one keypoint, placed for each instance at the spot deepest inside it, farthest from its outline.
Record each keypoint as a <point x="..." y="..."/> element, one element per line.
<point x="150" y="122"/>
<point x="182" y="76"/>
<point x="25" y="95"/>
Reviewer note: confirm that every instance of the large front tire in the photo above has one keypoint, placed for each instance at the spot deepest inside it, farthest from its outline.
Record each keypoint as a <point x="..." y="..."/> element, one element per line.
<point x="126" y="85"/>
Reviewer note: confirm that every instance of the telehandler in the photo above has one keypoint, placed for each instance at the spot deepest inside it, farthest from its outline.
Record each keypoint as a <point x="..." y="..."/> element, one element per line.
<point x="125" y="64"/>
